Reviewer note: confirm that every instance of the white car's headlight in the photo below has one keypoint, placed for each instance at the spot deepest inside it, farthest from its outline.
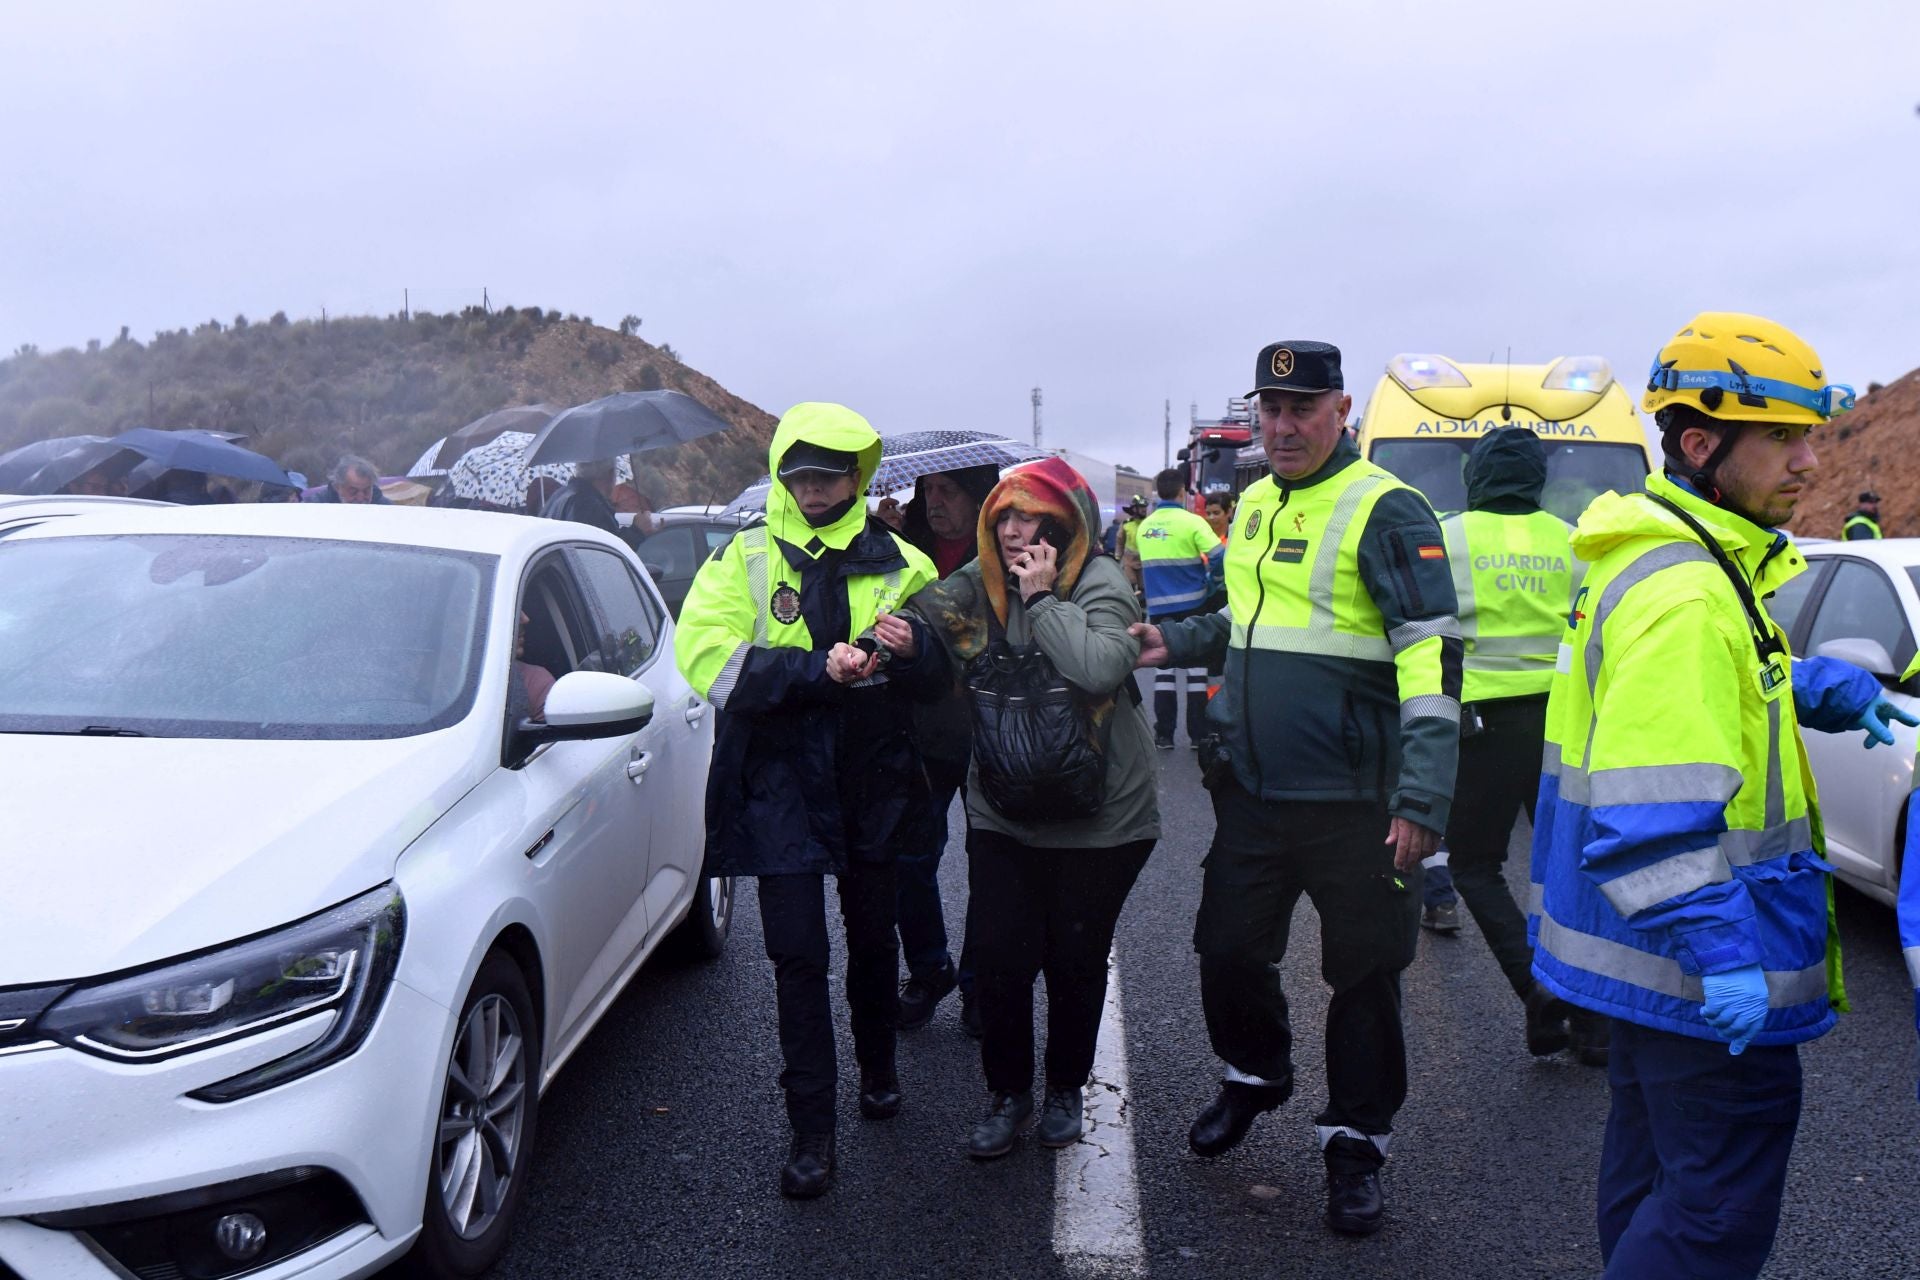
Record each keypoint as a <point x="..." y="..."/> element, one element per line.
<point x="340" y="960"/>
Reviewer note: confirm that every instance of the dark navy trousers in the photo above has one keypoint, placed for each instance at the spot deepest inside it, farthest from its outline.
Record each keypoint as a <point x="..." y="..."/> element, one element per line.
<point x="923" y="925"/>
<point x="1695" y="1156"/>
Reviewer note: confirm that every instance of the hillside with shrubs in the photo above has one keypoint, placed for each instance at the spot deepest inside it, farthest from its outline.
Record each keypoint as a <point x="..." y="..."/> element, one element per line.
<point x="306" y="391"/>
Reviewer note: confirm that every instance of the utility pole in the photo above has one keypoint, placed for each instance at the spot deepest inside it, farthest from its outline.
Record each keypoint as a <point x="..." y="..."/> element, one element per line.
<point x="1166" y="438"/>
<point x="1036" y="417"/>
<point x="406" y="304"/>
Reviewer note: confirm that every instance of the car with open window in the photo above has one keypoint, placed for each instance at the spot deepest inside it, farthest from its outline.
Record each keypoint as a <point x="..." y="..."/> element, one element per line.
<point x="1860" y="601"/>
<point x="332" y="832"/>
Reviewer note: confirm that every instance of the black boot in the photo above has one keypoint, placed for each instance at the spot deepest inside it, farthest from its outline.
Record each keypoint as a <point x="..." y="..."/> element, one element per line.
<point x="919" y="996"/>
<point x="1354" y="1205"/>
<point x="1546" y="1022"/>
<point x="1218" y="1129"/>
<point x="809" y="1168"/>
<point x="879" y="1095"/>
<point x="1011" y="1116"/>
<point x="1590" y="1033"/>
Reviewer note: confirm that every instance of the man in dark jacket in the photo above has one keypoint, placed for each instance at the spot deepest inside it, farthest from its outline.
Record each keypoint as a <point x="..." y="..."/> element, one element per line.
<point x="1864" y="522"/>
<point x="943" y="521"/>
<point x="587" y="498"/>
<point x="814" y="771"/>
<point x="352" y="480"/>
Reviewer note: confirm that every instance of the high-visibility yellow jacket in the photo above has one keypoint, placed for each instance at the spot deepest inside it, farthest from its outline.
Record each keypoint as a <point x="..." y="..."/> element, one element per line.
<point x="1179" y="557"/>
<point x="1677" y="831"/>
<point x="1513" y="576"/>
<point x="806" y="773"/>
<point x="1341" y="652"/>
<point x="1860" y="527"/>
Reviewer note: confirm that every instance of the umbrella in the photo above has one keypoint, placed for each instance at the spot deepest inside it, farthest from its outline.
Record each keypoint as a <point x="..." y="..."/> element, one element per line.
<point x="906" y="457"/>
<point x="428" y="464"/>
<point x="623" y="423"/>
<point x="200" y="451"/>
<point x="47" y="466"/>
<point x="497" y="472"/>
<point x="526" y="417"/>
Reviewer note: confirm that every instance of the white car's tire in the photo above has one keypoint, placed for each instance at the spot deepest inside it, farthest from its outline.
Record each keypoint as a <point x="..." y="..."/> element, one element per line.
<point x="703" y="934"/>
<point x="479" y="1161"/>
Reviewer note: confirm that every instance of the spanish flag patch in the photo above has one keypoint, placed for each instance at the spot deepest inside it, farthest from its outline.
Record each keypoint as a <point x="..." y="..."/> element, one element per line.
<point x="1433" y="553"/>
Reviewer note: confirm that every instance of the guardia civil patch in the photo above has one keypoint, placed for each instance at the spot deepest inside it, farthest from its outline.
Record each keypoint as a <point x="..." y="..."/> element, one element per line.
<point x="1253" y="524"/>
<point x="785" y="605"/>
<point x="1290" y="550"/>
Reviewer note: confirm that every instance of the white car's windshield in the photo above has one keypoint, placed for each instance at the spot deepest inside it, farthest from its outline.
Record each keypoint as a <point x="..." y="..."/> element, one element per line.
<point x="237" y="637"/>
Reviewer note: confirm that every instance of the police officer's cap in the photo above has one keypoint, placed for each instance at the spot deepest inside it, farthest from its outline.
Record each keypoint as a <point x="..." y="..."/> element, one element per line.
<point x="804" y="456"/>
<point x="1301" y="365"/>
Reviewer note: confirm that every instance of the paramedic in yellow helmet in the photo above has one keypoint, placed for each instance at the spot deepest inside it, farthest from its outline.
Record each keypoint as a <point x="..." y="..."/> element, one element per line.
<point x="1678" y="884"/>
<point x="814" y="772"/>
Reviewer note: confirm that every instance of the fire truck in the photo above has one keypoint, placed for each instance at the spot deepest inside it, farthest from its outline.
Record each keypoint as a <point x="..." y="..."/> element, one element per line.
<point x="1223" y="455"/>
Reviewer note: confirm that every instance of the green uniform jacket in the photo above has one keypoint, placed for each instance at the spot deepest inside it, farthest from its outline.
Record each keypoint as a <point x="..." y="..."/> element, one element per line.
<point x="1341" y="650"/>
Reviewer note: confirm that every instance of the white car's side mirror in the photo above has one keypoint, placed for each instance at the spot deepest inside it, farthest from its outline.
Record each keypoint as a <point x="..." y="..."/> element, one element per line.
<point x="592" y="699"/>
<point x="1870" y="655"/>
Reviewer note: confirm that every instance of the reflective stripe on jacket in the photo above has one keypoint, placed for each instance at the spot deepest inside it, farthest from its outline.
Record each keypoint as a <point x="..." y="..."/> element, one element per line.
<point x="1859" y="527"/>
<point x="1513" y="576"/>
<point x="1341" y="652"/>
<point x="1676" y="830"/>
<point x="1178" y="551"/>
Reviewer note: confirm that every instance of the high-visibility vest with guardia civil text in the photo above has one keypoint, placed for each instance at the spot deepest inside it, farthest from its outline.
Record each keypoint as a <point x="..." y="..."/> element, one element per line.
<point x="1514" y="578"/>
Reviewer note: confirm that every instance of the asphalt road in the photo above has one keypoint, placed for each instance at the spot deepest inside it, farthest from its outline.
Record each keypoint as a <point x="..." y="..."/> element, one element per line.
<point x="659" y="1144"/>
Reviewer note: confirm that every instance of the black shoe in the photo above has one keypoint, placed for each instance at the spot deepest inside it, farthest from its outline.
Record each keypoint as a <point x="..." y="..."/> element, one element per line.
<point x="919" y="996"/>
<point x="1590" y="1034"/>
<point x="1218" y="1129"/>
<point x="879" y="1096"/>
<point x="1546" y="1022"/>
<point x="1164" y="741"/>
<point x="1011" y="1116"/>
<point x="809" y="1167"/>
<point x="1443" y="918"/>
<point x="1062" y="1118"/>
<point x="1354" y="1206"/>
<point x="970" y="1015"/>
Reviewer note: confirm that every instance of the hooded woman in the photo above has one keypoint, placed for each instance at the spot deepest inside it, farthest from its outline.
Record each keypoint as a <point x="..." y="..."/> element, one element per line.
<point x="813" y="772"/>
<point x="1045" y="892"/>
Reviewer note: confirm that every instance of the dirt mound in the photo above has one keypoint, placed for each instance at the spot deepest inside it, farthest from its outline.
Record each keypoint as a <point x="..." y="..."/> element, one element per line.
<point x="1874" y="446"/>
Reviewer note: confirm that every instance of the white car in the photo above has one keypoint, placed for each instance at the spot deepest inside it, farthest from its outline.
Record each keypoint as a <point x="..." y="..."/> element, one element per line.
<point x="19" y="512"/>
<point x="302" y="909"/>
<point x="1859" y="601"/>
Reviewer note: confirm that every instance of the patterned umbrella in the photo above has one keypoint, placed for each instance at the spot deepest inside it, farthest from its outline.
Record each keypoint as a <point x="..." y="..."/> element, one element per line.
<point x="426" y="465"/>
<point x="906" y="457"/>
<point x="521" y="417"/>
<point x="497" y="472"/>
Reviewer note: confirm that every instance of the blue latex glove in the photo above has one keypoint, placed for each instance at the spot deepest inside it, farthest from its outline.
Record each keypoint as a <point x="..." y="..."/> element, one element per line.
<point x="1875" y="720"/>
<point x="1736" y="1004"/>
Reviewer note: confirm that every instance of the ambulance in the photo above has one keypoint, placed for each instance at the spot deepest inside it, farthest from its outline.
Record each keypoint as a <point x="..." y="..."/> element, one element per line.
<point x="1427" y="413"/>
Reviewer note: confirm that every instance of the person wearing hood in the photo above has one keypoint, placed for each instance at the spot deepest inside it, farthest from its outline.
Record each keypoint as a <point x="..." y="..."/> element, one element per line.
<point x="1678" y="882"/>
<point x="1045" y="886"/>
<point x="814" y="771"/>
<point x="1514" y="576"/>
<point x="1330" y="758"/>
<point x="942" y="520"/>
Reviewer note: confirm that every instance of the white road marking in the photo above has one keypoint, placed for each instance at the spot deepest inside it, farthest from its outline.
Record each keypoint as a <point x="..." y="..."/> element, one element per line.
<point x="1096" y="1201"/>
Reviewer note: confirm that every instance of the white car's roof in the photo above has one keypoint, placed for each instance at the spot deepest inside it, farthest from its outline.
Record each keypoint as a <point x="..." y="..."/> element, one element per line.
<point x="16" y="505"/>
<point x="484" y="532"/>
<point x="1895" y="553"/>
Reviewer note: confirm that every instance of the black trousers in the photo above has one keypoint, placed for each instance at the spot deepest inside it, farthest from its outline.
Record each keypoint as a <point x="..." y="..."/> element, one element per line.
<point x="1035" y="911"/>
<point x="1166" y="690"/>
<point x="793" y="918"/>
<point x="1264" y="856"/>
<point x="1498" y="781"/>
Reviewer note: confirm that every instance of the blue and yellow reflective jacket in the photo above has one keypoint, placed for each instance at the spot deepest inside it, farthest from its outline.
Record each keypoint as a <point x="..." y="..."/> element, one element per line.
<point x="1909" y="909"/>
<point x="1180" y="557"/>
<point x="1677" y="831"/>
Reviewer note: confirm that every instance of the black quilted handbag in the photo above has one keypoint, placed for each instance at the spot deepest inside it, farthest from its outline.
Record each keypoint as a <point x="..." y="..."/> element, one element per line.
<point x="1034" y="740"/>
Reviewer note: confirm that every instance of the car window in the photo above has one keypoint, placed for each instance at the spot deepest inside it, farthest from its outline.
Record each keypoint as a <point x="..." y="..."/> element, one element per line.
<point x="1576" y="473"/>
<point x="625" y="623"/>
<point x="670" y="553"/>
<point x="1784" y="605"/>
<point x="718" y="536"/>
<point x="1860" y="602"/>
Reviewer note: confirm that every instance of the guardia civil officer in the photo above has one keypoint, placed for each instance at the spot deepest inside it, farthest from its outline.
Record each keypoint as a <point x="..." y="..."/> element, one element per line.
<point x="1863" y="523"/>
<point x="1330" y="760"/>
<point x="1513" y="574"/>
<point x="1676" y="851"/>
<point x="814" y="772"/>
<point x="1180" y="557"/>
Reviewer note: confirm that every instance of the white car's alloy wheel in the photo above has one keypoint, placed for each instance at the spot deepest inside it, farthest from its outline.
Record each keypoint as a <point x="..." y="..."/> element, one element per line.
<point x="480" y="1125"/>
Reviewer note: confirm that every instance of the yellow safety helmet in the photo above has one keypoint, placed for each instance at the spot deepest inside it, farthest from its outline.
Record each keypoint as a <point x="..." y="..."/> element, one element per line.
<point x="1742" y="367"/>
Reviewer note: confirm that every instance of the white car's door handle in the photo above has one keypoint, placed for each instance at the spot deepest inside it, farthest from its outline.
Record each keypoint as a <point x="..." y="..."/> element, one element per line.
<point x="695" y="712"/>
<point x="637" y="767"/>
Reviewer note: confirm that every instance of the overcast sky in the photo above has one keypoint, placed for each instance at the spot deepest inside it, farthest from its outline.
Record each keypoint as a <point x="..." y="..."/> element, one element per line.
<point x="925" y="212"/>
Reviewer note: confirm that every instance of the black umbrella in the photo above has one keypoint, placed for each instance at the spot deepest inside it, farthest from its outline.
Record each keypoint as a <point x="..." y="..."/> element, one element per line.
<point x="627" y="422"/>
<point x="521" y="417"/>
<point x="47" y="466"/>
<point x="201" y="451"/>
